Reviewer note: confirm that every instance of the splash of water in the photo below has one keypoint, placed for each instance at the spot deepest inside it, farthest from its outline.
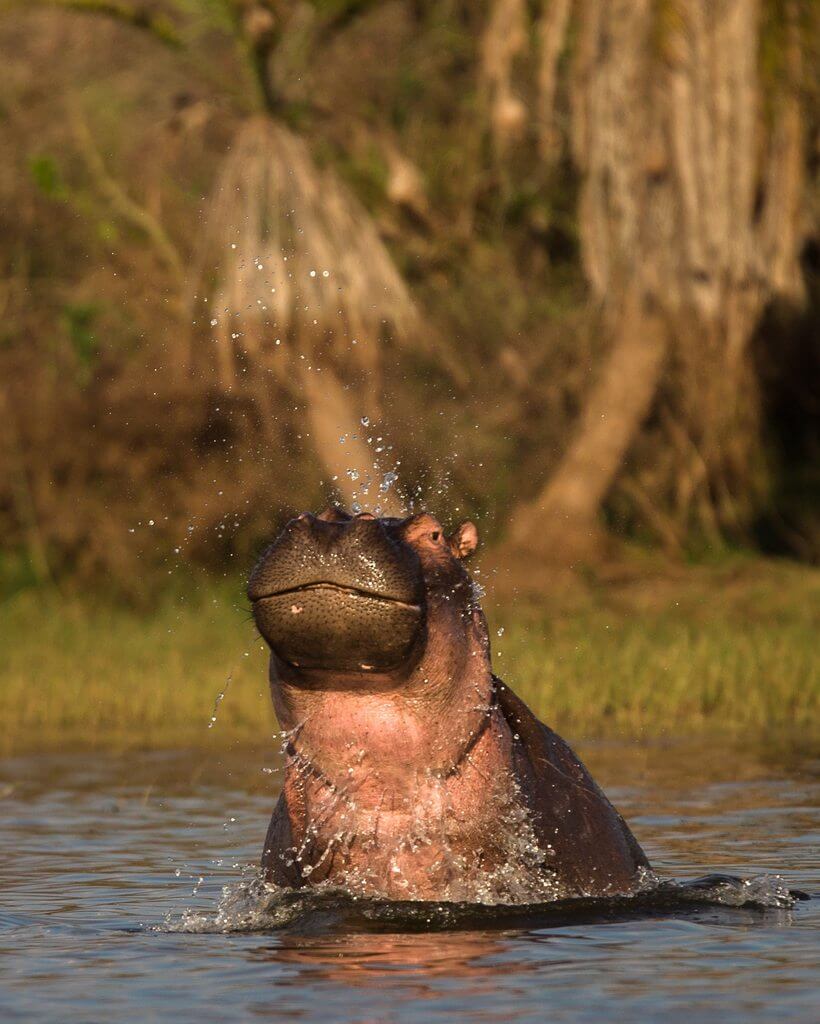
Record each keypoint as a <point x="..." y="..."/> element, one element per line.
<point x="387" y="482"/>
<point x="254" y="905"/>
<point x="219" y="698"/>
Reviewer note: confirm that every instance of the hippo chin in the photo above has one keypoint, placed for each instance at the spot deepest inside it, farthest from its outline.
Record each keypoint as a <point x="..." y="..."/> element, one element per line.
<point x="412" y="771"/>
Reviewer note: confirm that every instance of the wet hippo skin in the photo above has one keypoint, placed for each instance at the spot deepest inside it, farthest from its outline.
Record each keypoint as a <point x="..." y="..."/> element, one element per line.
<point x="412" y="772"/>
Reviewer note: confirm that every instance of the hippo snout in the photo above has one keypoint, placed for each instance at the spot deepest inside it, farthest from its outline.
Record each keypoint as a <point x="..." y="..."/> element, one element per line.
<point x="338" y="594"/>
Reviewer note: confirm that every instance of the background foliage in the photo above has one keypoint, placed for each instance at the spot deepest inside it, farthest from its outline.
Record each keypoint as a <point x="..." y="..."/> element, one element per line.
<point x="441" y="152"/>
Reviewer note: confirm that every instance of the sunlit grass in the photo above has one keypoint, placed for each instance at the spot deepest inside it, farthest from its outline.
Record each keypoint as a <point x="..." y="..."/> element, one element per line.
<point x="731" y="648"/>
<point x="662" y="675"/>
<point x="716" y="652"/>
<point x="78" y="673"/>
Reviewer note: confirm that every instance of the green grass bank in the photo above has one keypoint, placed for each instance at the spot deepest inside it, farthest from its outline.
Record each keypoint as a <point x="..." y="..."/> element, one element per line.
<point x="730" y="649"/>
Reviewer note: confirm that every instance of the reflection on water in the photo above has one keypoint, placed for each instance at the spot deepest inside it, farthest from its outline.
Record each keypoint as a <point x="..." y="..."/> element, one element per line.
<point x="97" y="853"/>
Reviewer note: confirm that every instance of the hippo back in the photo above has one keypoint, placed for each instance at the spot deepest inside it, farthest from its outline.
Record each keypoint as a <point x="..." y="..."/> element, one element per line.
<point x="592" y="850"/>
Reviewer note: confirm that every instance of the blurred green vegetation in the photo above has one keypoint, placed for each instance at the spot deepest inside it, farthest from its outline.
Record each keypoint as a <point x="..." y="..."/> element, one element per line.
<point x="113" y="413"/>
<point x="730" y="650"/>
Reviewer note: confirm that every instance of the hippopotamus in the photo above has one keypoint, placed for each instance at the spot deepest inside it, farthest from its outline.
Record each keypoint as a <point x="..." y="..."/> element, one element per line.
<point x="411" y="771"/>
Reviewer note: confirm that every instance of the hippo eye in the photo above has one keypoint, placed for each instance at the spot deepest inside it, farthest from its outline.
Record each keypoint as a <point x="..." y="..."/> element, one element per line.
<point x="435" y="535"/>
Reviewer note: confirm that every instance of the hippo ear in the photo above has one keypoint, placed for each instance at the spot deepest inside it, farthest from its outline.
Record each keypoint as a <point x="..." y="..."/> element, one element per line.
<point x="463" y="540"/>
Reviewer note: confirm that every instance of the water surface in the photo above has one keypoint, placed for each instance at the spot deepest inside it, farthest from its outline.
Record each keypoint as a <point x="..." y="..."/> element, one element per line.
<point x="104" y="858"/>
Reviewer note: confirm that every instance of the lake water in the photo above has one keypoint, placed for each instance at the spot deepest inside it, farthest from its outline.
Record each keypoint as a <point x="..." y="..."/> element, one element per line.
<point x="106" y="860"/>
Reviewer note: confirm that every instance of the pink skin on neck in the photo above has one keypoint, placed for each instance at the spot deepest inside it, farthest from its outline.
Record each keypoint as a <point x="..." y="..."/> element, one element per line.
<point x="418" y="720"/>
<point x="380" y="762"/>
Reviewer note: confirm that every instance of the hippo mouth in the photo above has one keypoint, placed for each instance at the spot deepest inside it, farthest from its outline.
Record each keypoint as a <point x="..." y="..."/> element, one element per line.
<point x="338" y="588"/>
<point x="331" y="626"/>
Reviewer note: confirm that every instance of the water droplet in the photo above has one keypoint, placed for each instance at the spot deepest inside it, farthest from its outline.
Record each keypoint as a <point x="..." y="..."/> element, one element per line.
<point x="387" y="482"/>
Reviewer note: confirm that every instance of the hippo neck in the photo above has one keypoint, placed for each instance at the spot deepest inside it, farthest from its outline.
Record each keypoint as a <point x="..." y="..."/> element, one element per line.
<point x="305" y="764"/>
<point x="385" y="741"/>
<point x="440" y="838"/>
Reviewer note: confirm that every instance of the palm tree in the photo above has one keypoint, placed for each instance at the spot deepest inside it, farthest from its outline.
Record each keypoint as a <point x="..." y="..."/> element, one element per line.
<point x="294" y="294"/>
<point x="301" y="291"/>
<point x="691" y="160"/>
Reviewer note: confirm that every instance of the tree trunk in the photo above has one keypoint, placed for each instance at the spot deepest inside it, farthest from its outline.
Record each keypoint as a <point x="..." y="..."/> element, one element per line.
<point x="340" y="439"/>
<point x="562" y="522"/>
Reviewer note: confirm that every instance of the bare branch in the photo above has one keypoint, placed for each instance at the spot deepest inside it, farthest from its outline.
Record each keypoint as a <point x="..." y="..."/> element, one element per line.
<point x="121" y="202"/>
<point x="505" y="40"/>
<point x="157" y="25"/>
<point x="344" y="16"/>
<point x="552" y="31"/>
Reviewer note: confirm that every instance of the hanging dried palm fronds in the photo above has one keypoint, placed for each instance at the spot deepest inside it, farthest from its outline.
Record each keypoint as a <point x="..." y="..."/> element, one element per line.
<point x="298" y="282"/>
<point x="291" y="254"/>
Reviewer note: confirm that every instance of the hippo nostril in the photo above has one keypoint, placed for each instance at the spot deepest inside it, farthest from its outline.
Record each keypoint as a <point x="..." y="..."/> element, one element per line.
<point x="334" y="514"/>
<point x="338" y="554"/>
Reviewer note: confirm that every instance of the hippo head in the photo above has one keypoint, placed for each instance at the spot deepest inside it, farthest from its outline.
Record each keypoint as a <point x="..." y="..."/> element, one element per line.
<point x="348" y="602"/>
